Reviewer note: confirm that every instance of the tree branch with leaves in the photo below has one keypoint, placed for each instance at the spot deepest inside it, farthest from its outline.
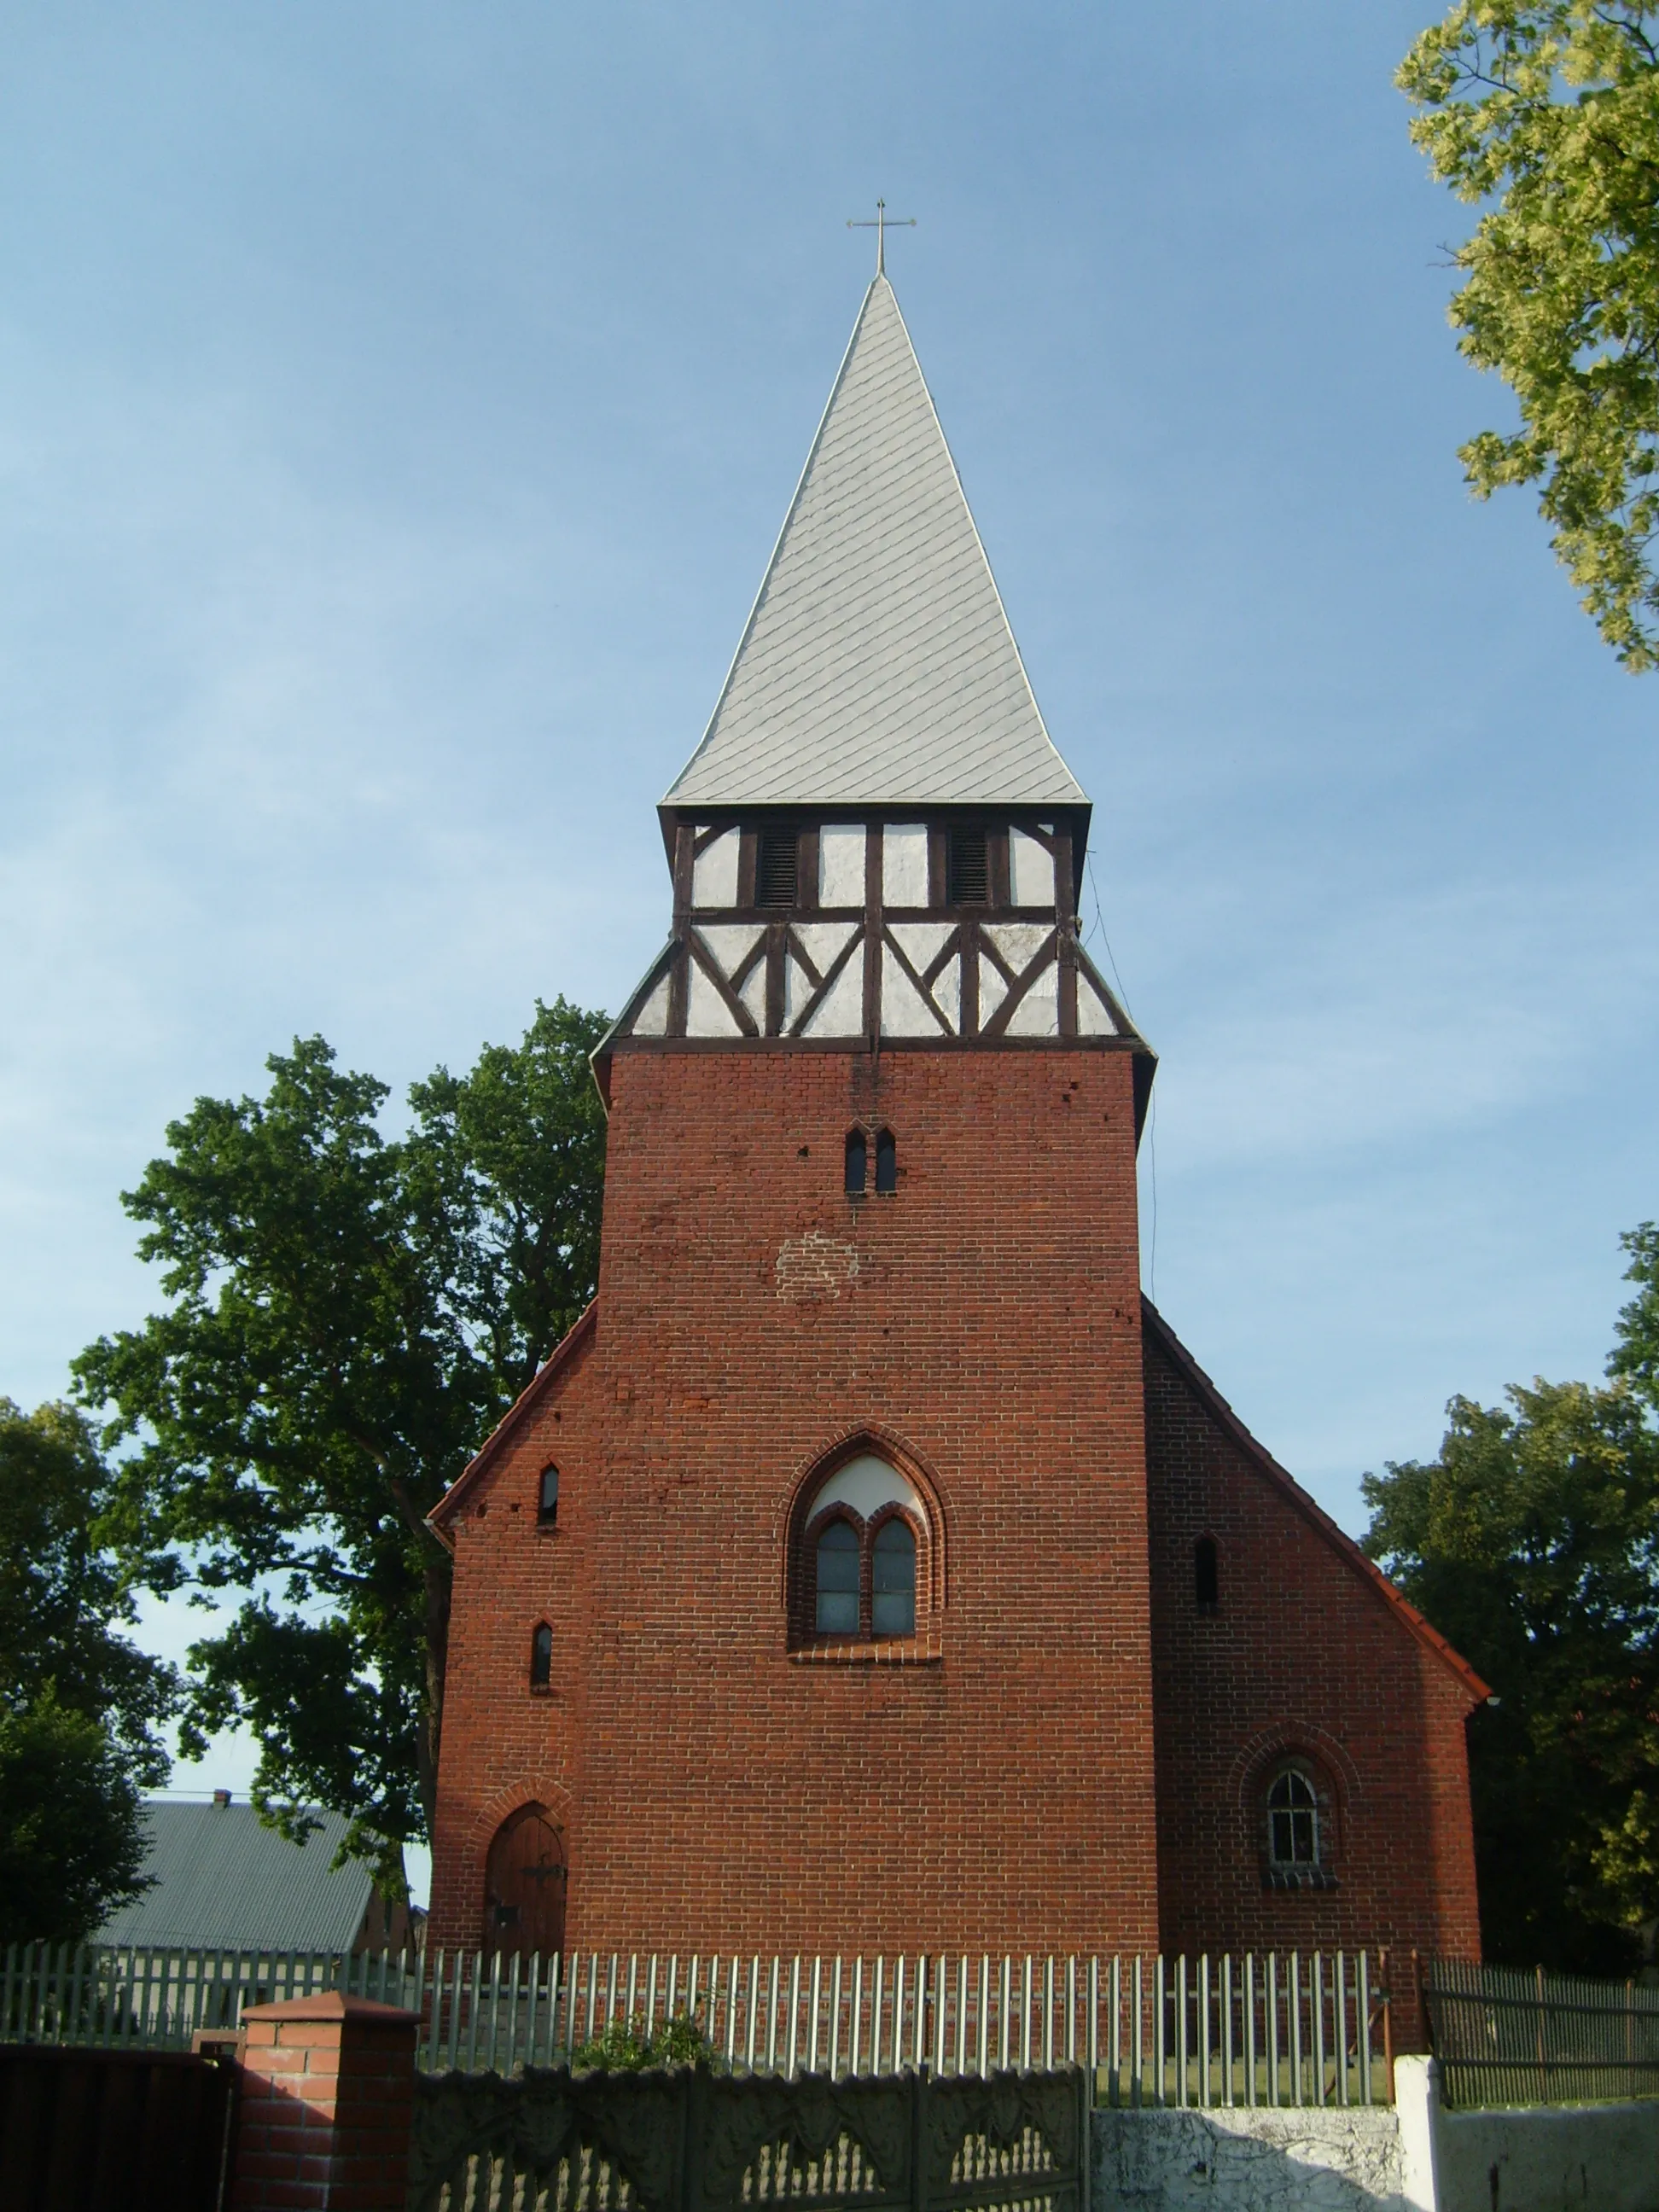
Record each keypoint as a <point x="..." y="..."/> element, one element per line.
<point x="1545" y="113"/>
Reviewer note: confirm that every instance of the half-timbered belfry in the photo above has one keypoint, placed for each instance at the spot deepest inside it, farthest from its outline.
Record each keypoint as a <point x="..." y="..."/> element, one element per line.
<point x="876" y="840"/>
<point x="871" y="1567"/>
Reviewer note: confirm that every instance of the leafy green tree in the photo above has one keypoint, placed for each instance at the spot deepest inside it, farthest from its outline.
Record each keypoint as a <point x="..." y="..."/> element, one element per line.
<point x="79" y="1703"/>
<point x="1532" y="1542"/>
<point x="72" y="1837"/>
<point x="61" y="1594"/>
<point x="1545" y="113"/>
<point x="350" y="1314"/>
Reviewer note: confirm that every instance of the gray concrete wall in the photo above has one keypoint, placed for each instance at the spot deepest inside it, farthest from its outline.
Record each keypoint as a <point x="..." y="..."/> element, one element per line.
<point x="1584" y="2158"/>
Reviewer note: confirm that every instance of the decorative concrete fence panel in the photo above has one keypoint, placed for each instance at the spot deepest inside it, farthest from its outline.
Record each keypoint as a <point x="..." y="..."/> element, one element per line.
<point x="693" y="2141"/>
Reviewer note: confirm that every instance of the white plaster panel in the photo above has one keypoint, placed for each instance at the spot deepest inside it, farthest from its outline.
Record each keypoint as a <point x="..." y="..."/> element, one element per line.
<point x="992" y="992"/>
<point x="866" y="1484"/>
<point x="1030" y="871"/>
<point x="651" y="1019"/>
<point x="904" y="1012"/>
<point x="731" y="943"/>
<point x="920" y="941"/>
<point x="841" y="1013"/>
<point x="947" y="994"/>
<point x="753" y="993"/>
<point x="824" y="940"/>
<point x="1237" y="2159"/>
<point x="706" y="1013"/>
<point x="798" y="989"/>
<point x="1092" y="1017"/>
<point x="714" y="872"/>
<point x="904" y="865"/>
<point x="841" y="865"/>
<point x="1018" y="942"/>
<point x="1038" y="1013"/>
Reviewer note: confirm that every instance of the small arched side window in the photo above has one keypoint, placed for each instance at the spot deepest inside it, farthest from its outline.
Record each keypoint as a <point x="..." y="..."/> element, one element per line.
<point x="1292" y="1823"/>
<point x="547" y="1497"/>
<point x="837" y="1608"/>
<point x="886" y="1163"/>
<point x="857" y="1161"/>
<point x="1207" y="1575"/>
<point x="541" y="1657"/>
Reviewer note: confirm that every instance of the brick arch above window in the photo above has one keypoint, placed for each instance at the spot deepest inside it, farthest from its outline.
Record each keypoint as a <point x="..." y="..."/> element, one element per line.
<point x="1259" y="1760"/>
<point x="864" y="1477"/>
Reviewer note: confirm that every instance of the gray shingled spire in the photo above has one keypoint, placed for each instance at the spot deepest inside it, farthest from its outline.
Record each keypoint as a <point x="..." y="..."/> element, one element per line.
<point x="877" y="667"/>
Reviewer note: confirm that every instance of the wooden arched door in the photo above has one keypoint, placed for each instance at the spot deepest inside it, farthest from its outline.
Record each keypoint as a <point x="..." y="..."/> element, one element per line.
<point x="525" y="1884"/>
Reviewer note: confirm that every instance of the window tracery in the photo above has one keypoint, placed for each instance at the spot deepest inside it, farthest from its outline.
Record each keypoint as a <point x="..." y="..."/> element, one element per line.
<point x="865" y="1563"/>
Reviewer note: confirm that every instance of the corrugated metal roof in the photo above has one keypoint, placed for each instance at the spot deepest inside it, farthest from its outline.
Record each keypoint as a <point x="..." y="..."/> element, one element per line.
<point x="877" y="667"/>
<point x="227" y="1881"/>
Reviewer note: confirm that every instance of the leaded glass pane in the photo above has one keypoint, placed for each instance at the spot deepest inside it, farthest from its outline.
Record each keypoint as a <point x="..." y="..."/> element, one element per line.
<point x="893" y="1581"/>
<point x="838" y="1580"/>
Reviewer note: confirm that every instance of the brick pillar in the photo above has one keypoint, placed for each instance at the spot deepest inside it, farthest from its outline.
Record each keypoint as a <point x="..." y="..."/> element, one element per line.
<point x="327" y="2102"/>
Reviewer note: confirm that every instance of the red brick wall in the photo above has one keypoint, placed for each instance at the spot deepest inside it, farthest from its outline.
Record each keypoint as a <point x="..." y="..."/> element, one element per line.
<point x="1304" y="1654"/>
<point x="717" y="1792"/>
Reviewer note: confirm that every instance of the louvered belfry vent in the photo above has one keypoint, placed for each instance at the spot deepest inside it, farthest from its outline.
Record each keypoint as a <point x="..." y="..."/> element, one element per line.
<point x="775" y="868"/>
<point x="969" y="877"/>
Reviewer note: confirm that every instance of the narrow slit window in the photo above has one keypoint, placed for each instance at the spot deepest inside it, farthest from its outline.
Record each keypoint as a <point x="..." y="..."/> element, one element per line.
<point x="969" y="868"/>
<point x="1207" y="1575"/>
<point x="886" y="1163"/>
<point x="547" y="1499"/>
<point x="775" y="868"/>
<point x="857" y="1161"/>
<point x="838" y="1580"/>
<point x="893" y="1580"/>
<point x="541" y="1657"/>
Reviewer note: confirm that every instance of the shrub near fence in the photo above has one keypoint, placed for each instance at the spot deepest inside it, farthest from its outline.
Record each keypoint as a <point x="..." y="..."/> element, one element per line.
<point x="1507" y="2037"/>
<point x="1278" y="2029"/>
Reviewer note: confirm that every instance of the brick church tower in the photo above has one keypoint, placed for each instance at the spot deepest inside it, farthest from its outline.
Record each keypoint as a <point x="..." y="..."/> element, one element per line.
<point x="870" y="1568"/>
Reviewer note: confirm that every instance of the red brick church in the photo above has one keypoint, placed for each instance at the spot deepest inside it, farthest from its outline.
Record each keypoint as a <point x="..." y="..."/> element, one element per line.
<point x="871" y="1567"/>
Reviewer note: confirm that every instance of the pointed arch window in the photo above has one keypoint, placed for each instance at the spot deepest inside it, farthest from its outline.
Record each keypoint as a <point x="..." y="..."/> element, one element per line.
<point x="858" y="1162"/>
<point x="886" y="1163"/>
<point x="893" y="1578"/>
<point x="837" y="1580"/>
<point x="541" y="1657"/>
<point x="866" y="1565"/>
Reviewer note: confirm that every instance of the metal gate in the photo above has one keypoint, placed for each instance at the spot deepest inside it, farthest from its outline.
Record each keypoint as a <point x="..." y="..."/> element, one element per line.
<point x="88" y="2130"/>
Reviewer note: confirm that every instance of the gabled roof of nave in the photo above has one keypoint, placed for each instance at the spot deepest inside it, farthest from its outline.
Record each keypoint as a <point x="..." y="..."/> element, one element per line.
<point x="877" y="667"/>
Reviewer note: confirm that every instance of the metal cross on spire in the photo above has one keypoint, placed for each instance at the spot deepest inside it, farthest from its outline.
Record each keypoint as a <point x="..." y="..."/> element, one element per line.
<point x="882" y="223"/>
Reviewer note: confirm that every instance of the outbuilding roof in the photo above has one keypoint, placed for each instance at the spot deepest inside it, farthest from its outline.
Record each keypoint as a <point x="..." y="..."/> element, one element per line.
<point x="877" y="667"/>
<point x="225" y="1882"/>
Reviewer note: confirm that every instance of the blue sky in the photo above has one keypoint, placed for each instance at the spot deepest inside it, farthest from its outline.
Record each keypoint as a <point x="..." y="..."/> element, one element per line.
<point x="397" y="407"/>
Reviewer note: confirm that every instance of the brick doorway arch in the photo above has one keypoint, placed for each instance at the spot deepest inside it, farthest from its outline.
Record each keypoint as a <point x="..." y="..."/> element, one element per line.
<point x="525" y="1884"/>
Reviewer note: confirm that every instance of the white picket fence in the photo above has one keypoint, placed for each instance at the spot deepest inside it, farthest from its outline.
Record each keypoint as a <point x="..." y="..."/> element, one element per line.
<point x="1268" y="2029"/>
